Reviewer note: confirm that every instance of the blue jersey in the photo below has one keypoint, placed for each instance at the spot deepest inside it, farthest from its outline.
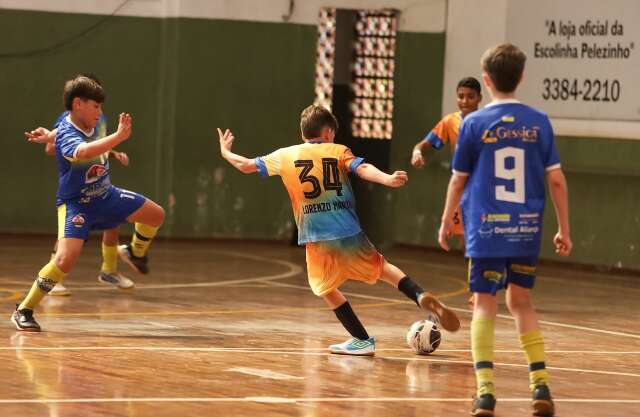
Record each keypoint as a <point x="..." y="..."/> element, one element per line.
<point x="99" y="132"/>
<point x="84" y="179"/>
<point x="505" y="149"/>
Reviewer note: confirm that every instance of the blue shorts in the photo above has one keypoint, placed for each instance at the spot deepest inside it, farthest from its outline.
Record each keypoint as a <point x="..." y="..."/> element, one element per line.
<point x="76" y="219"/>
<point x="488" y="275"/>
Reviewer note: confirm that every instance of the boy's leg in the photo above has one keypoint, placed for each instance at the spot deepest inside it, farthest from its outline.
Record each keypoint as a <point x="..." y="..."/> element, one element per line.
<point x="109" y="270"/>
<point x="482" y="350"/>
<point x="521" y="307"/>
<point x="59" y="290"/>
<point x="361" y="344"/>
<point x="55" y="271"/>
<point x="147" y="219"/>
<point x="394" y="276"/>
<point x="486" y="277"/>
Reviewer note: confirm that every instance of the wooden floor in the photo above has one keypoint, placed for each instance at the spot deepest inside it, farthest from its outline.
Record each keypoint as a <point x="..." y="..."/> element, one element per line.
<point x="231" y="329"/>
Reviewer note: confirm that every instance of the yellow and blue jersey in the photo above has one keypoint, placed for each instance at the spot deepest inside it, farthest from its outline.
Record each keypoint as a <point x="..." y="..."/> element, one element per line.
<point x="446" y="131"/>
<point x="79" y="179"/>
<point x="505" y="150"/>
<point x="316" y="176"/>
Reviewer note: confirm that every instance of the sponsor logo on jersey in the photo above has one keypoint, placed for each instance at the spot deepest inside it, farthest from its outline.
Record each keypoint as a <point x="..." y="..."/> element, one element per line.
<point x="527" y="134"/>
<point x="78" y="220"/>
<point x="94" y="173"/>
<point x="496" y="217"/>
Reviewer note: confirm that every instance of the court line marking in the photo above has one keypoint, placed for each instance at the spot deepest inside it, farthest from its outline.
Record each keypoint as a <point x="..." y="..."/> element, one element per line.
<point x="293" y="270"/>
<point x="265" y="373"/>
<point x="310" y="349"/>
<point x="463" y="270"/>
<point x="207" y="312"/>
<point x="463" y="310"/>
<point x="307" y="353"/>
<point x="293" y="400"/>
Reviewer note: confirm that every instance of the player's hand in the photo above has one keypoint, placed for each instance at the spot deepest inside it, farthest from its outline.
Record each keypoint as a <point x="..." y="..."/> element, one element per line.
<point x="124" y="126"/>
<point x="226" y="140"/>
<point x="417" y="160"/>
<point x="397" y="179"/>
<point x="40" y="135"/>
<point x="563" y="244"/>
<point x="122" y="157"/>
<point x="445" y="232"/>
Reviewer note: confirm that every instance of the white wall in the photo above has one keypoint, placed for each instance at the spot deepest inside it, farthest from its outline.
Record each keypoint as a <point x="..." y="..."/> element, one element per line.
<point x="416" y="15"/>
<point x="473" y="26"/>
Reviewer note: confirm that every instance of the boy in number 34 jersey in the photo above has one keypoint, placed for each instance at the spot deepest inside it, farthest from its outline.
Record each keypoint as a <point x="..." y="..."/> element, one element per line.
<point x="316" y="175"/>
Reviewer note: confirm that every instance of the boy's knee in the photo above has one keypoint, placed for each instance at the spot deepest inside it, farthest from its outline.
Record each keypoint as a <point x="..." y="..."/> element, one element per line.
<point x="65" y="259"/>
<point x="518" y="301"/>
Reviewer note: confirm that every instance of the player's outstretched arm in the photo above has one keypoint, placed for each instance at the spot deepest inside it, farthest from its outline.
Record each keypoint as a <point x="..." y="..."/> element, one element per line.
<point x="454" y="194"/>
<point x="121" y="157"/>
<point x="560" y="197"/>
<point x="41" y="135"/>
<point x="370" y="173"/>
<point x="44" y="136"/>
<point x="242" y="164"/>
<point x="417" y="156"/>
<point x="100" y="146"/>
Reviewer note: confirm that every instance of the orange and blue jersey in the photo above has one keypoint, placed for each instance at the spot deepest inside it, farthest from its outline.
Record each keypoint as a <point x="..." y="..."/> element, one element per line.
<point x="446" y="131"/>
<point x="79" y="179"/>
<point x="316" y="176"/>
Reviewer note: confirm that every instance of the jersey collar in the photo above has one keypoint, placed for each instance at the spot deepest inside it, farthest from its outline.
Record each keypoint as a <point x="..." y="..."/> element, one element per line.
<point x="89" y="134"/>
<point x="503" y="101"/>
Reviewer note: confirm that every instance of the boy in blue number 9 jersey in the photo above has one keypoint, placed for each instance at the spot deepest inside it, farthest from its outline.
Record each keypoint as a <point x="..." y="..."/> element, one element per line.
<point x="504" y="153"/>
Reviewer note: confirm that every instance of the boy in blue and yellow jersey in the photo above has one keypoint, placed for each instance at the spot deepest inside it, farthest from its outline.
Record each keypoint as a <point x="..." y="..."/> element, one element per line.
<point x="504" y="153"/>
<point x="316" y="176"/>
<point x="109" y="269"/>
<point x="468" y="97"/>
<point x="86" y="199"/>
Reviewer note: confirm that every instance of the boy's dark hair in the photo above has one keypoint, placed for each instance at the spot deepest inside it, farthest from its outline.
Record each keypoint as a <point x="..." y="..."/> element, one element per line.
<point x="85" y="88"/>
<point x="314" y="118"/>
<point x="504" y="65"/>
<point x="470" y="82"/>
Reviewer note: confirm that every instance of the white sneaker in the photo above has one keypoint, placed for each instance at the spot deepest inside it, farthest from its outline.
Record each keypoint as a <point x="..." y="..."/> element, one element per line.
<point x="355" y="347"/>
<point x="60" y="290"/>
<point x="116" y="279"/>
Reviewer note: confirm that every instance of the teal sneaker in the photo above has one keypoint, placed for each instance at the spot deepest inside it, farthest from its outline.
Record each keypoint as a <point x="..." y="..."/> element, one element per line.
<point x="355" y="347"/>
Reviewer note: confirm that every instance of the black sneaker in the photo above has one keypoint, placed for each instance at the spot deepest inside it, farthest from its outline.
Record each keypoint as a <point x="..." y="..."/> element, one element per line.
<point x="483" y="406"/>
<point x="542" y="402"/>
<point x="24" y="321"/>
<point x="137" y="263"/>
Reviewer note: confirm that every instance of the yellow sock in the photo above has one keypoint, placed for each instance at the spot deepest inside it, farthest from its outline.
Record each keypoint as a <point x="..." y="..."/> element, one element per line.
<point x="533" y="345"/>
<point x="48" y="277"/>
<point x="482" y="335"/>
<point x="142" y="239"/>
<point x="109" y="259"/>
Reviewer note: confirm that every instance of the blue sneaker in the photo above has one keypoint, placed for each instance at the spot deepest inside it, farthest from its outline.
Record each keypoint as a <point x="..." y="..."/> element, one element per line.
<point x="355" y="347"/>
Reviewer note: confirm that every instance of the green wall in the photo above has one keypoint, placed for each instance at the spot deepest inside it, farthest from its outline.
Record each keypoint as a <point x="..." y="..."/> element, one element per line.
<point x="182" y="78"/>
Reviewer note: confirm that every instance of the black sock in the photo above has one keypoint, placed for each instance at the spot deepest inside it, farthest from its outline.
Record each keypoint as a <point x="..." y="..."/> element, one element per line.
<point x="410" y="288"/>
<point x="350" y="321"/>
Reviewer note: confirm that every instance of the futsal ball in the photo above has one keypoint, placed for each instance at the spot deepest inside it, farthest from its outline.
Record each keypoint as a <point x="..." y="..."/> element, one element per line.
<point x="424" y="337"/>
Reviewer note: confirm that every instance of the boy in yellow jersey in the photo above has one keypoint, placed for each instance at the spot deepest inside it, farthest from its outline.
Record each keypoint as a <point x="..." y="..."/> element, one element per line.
<point x="469" y="96"/>
<point x="505" y="152"/>
<point x="316" y="176"/>
<point x="86" y="199"/>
